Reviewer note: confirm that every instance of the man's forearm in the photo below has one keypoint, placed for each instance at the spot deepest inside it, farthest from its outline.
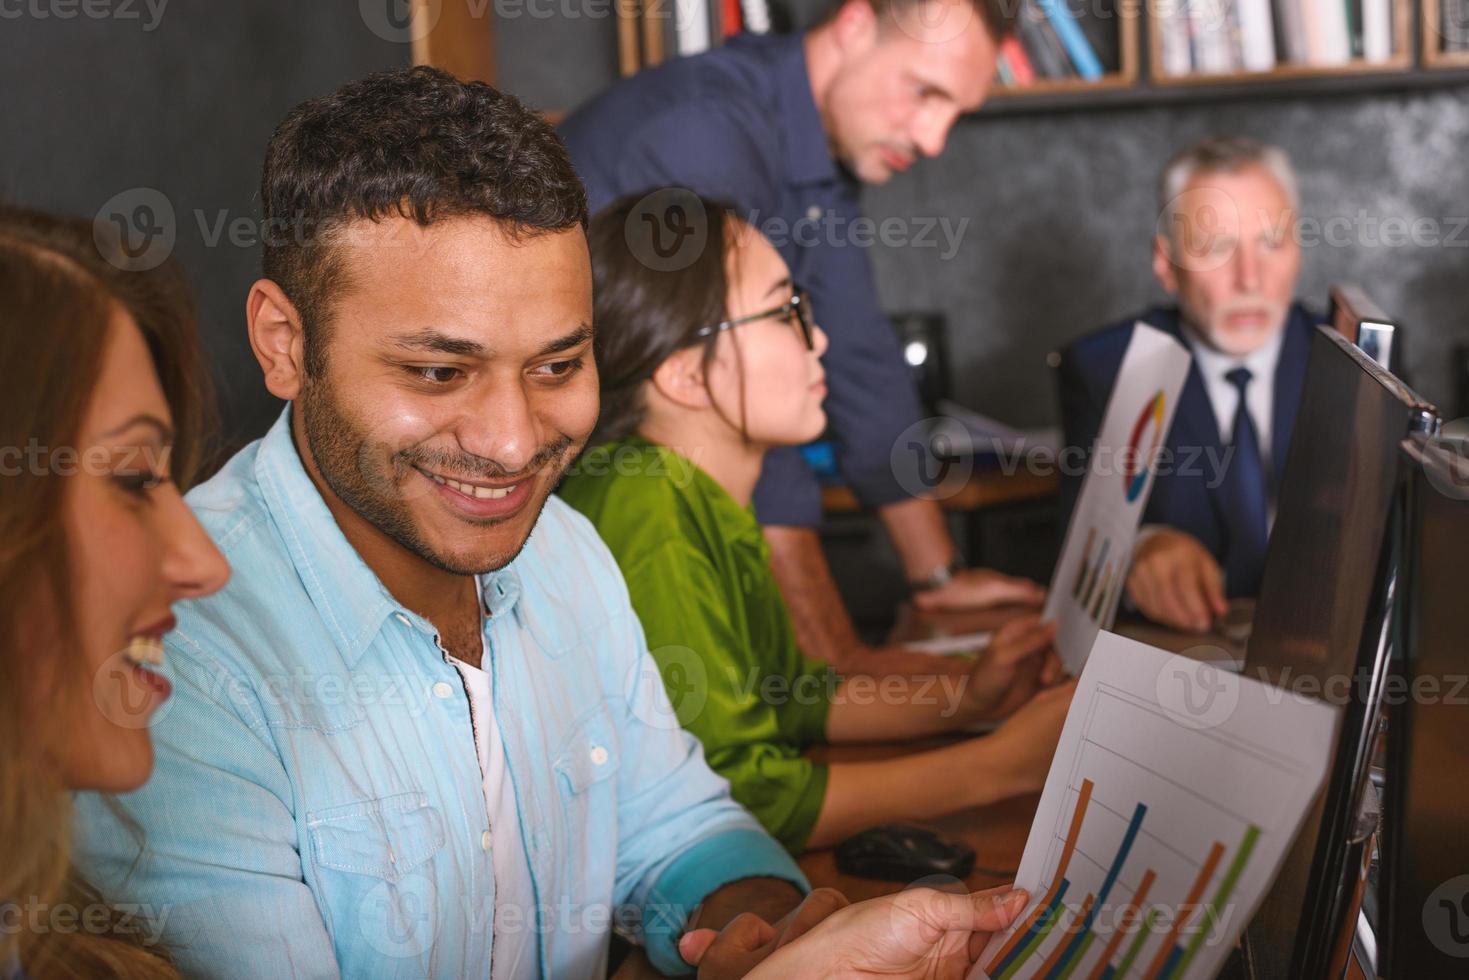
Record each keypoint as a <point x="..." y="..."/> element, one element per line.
<point x="920" y="535"/>
<point x="769" y="898"/>
<point x="824" y="630"/>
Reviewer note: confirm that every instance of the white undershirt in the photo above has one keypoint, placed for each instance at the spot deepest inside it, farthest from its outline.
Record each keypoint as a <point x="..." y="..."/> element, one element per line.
<point x="514" y="952"/>
<point x="1224" y="396"/>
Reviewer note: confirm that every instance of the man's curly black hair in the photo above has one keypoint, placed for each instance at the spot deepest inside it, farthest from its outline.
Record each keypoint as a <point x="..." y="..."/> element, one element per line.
<point x="416" y="143"/>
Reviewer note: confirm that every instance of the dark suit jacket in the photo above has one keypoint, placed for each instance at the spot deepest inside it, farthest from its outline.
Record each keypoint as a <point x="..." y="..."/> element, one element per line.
<point x="1185" y="495"/>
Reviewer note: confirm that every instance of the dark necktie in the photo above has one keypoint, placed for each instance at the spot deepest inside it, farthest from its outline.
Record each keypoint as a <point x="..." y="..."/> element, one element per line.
<point x="1245" y="492"/>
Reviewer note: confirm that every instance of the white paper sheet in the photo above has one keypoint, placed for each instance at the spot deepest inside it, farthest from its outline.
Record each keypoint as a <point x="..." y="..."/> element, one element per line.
<point x="1174" y="794"/>
<point x="1087" y="583"/>
<point x="949" y="645"/>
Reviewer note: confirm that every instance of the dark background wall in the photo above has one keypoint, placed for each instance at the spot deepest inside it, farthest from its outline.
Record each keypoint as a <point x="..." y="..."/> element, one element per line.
<point x="93" y="108"/>
<point x="1063" y="206"/>
<point x="1060" y="205"/>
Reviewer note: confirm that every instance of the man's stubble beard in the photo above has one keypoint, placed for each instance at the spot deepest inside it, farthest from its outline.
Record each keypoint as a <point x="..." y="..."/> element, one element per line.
<point x="349" y="465"/>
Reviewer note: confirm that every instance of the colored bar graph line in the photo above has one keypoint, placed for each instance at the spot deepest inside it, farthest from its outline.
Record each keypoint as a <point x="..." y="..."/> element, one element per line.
<point x="1042" y="929"/>
<point x="1086" y="943"/>
<point x="1221" y="897"/>
<point x="1019" y="936"/>
<point x="1086" y="557"/>
<point x="1076" y="928"/>
<point x="1194" y="893"/>
<point x="1123" y="849"/>
<point x="1124" y="922"/>
<point x="1104" y="588"/>
<point x="1149" y="922"/>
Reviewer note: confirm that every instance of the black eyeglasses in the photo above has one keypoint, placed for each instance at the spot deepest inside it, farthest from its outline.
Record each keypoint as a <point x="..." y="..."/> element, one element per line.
<point x="796" y="310"/>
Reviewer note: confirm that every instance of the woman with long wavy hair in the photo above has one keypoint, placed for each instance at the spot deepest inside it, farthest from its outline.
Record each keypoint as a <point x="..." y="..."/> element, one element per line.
<point x="101" y="416"/>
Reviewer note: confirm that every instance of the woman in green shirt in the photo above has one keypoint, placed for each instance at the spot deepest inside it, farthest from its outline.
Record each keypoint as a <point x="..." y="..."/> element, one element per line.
<point x="708" y="358"/>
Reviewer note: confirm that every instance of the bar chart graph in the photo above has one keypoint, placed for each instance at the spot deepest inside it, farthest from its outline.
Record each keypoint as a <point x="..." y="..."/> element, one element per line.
<point x="1156" y="838"/>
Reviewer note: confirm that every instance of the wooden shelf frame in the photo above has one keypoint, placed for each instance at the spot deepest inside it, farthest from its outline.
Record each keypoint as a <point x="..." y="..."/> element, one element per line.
<point x="1125" y="77"/>
<point x="1430" y="38"/>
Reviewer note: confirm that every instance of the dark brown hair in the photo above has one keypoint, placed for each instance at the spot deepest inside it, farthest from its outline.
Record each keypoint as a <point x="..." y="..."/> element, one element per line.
<point x="59" y="284"/>
<point x="1001" y="17"/>
<point x="649" y="303"/>
<point x="415" y="143"/>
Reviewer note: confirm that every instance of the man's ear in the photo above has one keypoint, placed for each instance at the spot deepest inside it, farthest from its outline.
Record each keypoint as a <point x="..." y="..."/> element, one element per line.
<point x="680" y="379"/>
<point x="1163" y="264"/>
<point x="855" y="26"/>
<point x="276" y="338"/>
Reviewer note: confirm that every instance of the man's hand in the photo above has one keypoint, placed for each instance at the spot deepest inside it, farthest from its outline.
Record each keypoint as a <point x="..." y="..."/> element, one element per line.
<point x="916" y="933"/>
<point x="1027" y="740"/>
<point x="1175" y="581"/>
<point x="768" y="899"/>
<point x="980" y="588"/>
<point x="1019" y="662"/>
<point x="748" y="939"/>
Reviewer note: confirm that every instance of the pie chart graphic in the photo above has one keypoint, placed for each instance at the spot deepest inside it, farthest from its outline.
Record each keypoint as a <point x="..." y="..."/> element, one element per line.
<point x="1135" y="462"/>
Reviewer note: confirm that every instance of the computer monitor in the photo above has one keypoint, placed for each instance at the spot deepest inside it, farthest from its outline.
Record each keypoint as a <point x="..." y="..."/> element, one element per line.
<point x="1424" y="881"/>
<point x="1362" y="321"/>
<point x="1319" y="626"/>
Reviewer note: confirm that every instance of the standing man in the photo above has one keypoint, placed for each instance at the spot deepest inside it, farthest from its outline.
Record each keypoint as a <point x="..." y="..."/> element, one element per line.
<point x="787" y="128"/>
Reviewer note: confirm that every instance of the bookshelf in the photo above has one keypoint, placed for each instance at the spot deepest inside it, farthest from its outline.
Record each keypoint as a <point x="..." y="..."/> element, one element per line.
<point x="461" y="38"/>
<point x="1164" y="14"/>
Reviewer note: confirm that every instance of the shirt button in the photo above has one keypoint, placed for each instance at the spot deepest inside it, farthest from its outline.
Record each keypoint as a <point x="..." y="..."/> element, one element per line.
<point x="443" y="691"/>
<point x="402" y="619"/>
<point x="813" y="213"/>
<point x="484" y="840"/>
<point x="599" y="755"/>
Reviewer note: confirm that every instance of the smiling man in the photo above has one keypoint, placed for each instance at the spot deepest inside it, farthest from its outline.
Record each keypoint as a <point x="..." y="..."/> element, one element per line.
<point x="789" y="128"/>
<point x="420" y="733"/>
<point x="1226" y="248"/>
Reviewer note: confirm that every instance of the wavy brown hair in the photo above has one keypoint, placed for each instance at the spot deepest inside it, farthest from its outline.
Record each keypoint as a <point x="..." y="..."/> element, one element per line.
<point x="59" y="284"/>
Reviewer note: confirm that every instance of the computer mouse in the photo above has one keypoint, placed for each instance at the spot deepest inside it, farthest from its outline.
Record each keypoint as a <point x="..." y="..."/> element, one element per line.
<point x="897" y="852"/>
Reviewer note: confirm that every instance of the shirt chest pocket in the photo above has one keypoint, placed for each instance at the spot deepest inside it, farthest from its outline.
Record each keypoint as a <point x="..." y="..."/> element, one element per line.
<point x="385" y="838"/>
<point x="588" y="756"/>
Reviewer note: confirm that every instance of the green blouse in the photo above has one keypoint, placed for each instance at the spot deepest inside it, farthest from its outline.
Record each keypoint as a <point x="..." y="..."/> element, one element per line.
<point x="698" y="570"/>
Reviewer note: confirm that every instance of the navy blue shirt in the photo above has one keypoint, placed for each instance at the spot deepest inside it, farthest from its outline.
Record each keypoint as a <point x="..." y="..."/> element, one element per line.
<point x="739" y="123"/>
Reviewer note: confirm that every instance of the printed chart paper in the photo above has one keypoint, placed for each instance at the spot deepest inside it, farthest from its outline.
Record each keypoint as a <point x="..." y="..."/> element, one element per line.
<point x="1173" y="797"/>
<point x="1095" y="557"/>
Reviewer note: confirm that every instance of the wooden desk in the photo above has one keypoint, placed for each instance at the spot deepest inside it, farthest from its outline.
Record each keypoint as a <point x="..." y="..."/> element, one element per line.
<point x="986" y="486"/>
<point x="997" y="833"/>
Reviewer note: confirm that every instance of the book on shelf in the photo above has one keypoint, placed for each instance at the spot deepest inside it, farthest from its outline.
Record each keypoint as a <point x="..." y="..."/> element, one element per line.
<point x="1216" y="37"/>
<point x="1052" y="42"/>
<point x="1453" y="25"/>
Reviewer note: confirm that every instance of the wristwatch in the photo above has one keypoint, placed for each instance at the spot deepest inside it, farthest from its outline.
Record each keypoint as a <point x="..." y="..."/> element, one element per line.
<point x="939" y="577"/>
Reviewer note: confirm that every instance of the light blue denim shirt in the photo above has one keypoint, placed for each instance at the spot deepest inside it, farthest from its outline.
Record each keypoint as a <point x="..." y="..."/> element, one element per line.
<point x="317" y="808"/>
